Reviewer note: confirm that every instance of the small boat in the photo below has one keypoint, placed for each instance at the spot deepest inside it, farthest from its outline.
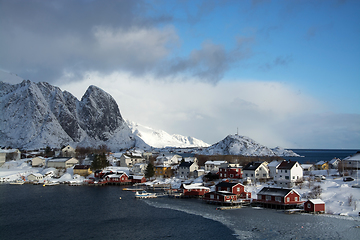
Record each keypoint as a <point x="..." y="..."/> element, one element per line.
<point x="49" y="183"/>
<point x="17" y="182"/>
<point x="144" y="194"/>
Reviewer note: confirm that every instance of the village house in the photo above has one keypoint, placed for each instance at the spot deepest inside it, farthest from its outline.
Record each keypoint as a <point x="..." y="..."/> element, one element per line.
<point x="321" y="165"/>
<point x="137" y="178"/>
<point x="2" y="158"/>
<point x="35" y="177"/>
<point x="82" y="170"/>
<point x="62" y="162"/>
<point x="272" y="166"/>
<point x="307" y="168"/>
<point x="222" y="197"/>
<point x="288" y="172"/>
<point x="194" y="190"/>
<point x="278" y="198"/>
<point x="186" y="169"/>
<point x="139" y="168"/>
<point x="128" y="160"/>
<point x="213" y="166"/>
<point x="256" y="171"/>
<point x="230" y="172"/>
<point x="314" y="205"/>
<point x="118" y="178"/>
<point x="9" y="155"/>
<point x="38" y="162"/>
<point x="236" y="188"/>
<point x="352" y="162"/>
<point x="164" y="171"/>
<point x="199" y="173"/>
<point x="333" y="163"/>
<point x="168" y="159"/>
<point x="68" y="151"/>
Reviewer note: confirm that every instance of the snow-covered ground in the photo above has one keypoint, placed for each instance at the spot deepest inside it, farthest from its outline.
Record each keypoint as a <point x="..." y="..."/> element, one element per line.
<point x="340" y="197"/>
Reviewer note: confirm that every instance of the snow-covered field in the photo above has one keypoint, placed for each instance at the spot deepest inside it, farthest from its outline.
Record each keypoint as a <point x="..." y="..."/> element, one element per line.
<point x="340" y="197"/>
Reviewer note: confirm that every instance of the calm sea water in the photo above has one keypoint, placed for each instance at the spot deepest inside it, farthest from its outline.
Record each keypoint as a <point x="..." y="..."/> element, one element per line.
<point x="82" y="212"/>
<point x="316" y="155"/>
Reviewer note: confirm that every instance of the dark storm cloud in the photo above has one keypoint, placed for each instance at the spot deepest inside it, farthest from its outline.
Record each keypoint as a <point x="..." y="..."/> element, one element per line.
<point x="210" y="62"/>
<point x="45" y="39"/>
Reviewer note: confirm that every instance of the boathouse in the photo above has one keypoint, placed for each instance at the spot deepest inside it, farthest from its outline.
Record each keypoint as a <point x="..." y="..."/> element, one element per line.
<point x="222" y="197"/>
<point x="314" y="205"/>
<point x="279" y="198"/>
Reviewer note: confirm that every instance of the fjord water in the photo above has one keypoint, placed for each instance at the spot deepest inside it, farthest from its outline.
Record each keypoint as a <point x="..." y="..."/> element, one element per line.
<point x="83" y="212"/>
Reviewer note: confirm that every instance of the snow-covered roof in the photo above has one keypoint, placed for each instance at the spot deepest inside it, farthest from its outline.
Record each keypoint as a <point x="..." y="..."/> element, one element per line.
<point x="355" y="157"/>
<point x="274" y="163"/>
<point x="215" y="162"/>
<point x="195" y="186"/>
<point x="36" y="174"/>
<point x="320" y="163"/>
<point x="316" y="201"/>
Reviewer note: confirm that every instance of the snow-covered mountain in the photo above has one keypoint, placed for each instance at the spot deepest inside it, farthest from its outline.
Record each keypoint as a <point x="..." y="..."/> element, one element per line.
<point x="35" y="115"/>
<point x="245" y="146"/>
<point x="162" y="139"/>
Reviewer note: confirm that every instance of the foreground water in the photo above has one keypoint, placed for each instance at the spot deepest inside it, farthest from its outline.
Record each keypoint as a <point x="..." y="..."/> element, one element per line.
<point x="64" y="212"/>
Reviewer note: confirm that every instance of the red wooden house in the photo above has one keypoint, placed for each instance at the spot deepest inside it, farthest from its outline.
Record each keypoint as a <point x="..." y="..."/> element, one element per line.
<point x="278" y="198"/>
<point x="137" y="179"/>
<point x="194" y="190"/>
<point x="222" y="197"/>
<point x="230" y="172"/>
<point x="235" y="188"/>
<point x="117" y="178"/>
<point x="314" y="205"/>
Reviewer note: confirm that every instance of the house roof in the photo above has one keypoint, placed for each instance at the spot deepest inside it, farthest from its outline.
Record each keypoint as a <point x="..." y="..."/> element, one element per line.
<point x="316" y="201"/>
<point x="226" y="184"/>
<point x="195" y="186"/>
<point x="278" y="192"/>
<point x="286" y="165"/>
<point x="320" y="163"/>
<point x="274" y="163"/>
<point x="81" y="166"/>
<point x="215" y="162"/>
<point x="186" y="164"/>
<point x="59" y="159"/>
<point x="252" y="166"/>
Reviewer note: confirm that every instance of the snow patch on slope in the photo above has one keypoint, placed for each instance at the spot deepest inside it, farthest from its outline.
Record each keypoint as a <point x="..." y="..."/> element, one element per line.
<point x="162" y="139"/>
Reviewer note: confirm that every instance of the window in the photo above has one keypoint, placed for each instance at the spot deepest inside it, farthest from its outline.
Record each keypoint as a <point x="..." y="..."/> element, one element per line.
<point x="295" y="199"/>
<point x="219" y="188"/>
<point x="293" y="177"/>
<point x="252" y="175"/>
<point x="278" y="199"/>
<point x="259" y="197"/>
<point x="287" y="177"/>
<point x="231" y="175"/>
<point x="288" y="199"/>
<point x="268" y="198"/>
<point x="238" y="189"/>
<point x="246" y="174"/>
<point x="211" y="196"/>
<point x="264" y="175"/>
<point x="257" y="174"/>
<point x="285" y="171"/>
<point x="309" y="205"/>
<point x="220" y="174"/>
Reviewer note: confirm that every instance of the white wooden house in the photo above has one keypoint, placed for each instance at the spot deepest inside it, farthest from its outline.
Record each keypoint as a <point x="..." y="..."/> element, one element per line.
<point x="214" y="166"/>
<point x="255" y="171"/>
<point x="62" y="162"/>
<point x="288" y="172"/>
<point x="35" y="177"/>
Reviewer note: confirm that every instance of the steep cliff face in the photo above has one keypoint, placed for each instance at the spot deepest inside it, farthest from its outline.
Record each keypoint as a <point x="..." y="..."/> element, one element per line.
<point x="38" y="114"/>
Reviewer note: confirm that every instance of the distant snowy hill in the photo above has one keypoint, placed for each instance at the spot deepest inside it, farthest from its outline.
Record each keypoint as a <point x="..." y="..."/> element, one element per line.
<point x="245" y="146"/>
<point x="162" y="139"/>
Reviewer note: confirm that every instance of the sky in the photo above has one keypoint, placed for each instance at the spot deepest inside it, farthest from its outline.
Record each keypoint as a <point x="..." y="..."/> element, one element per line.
<point x="284" y="73"/>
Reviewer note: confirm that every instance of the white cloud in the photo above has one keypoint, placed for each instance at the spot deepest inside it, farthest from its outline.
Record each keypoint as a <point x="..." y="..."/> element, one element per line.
<point x="269" y="112"/>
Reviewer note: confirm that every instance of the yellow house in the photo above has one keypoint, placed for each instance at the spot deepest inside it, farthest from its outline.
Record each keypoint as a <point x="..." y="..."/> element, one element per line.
<point x="322" y="165"/>
<point x="82" y="170"/>
<point x="163" y="171"/>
